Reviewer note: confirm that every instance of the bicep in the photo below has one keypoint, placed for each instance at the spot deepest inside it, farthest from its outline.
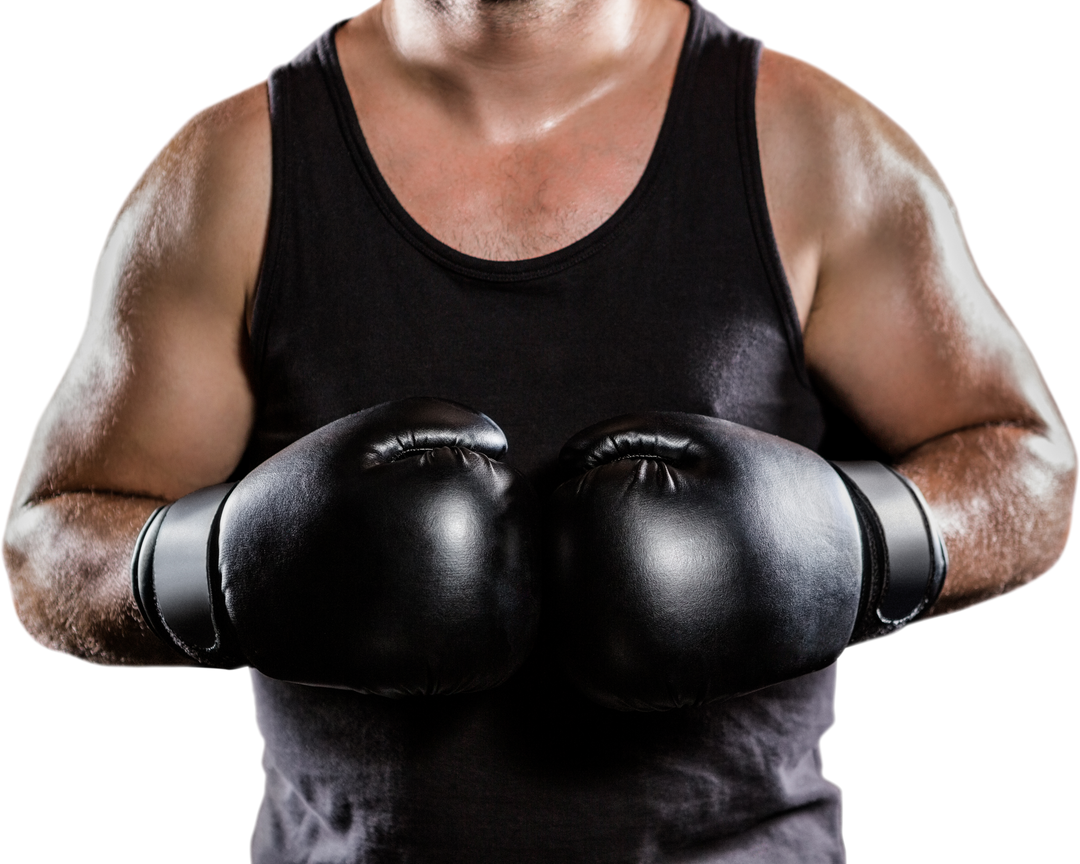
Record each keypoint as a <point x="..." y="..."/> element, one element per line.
<point x="903" y="331"/>
<point x="157" y="401"/>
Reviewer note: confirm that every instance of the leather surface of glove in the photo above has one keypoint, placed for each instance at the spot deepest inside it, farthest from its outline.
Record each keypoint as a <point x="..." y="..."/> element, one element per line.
<point x="389" y="552"/>
<point x="695" y="559"/>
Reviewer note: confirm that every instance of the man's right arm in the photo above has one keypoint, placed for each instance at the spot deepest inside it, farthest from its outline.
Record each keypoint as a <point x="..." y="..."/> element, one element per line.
<point x="157" y="401"/>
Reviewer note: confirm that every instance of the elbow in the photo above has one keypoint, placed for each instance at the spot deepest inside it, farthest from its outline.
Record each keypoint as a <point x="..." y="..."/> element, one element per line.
<point x="1051" y="488"/>
<point x="34" y="610"/>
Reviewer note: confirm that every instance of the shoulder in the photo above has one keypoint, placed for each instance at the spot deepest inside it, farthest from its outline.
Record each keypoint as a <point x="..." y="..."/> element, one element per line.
<point x="203" y="202"/>
<point x="809" y="120"/>
<point x="224" y="133"/>
<point x="838" y="172"/>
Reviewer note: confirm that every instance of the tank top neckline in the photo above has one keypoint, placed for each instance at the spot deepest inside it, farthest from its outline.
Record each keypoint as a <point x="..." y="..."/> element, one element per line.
<point x="527" y="268"/>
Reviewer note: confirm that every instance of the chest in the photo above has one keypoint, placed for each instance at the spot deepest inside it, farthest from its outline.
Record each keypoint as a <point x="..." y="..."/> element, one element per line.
<point x="666" y="306"/>
<point x="504" y="185"/>
<point x="514" y="202"/>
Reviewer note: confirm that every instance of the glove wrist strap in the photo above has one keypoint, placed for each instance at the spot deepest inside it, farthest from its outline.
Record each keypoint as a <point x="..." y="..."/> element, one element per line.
<point x="175" y="576"/>
<point x="905" y="554"/>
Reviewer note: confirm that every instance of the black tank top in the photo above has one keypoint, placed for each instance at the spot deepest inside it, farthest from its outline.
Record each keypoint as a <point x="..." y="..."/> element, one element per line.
<point x="677" y="302"/>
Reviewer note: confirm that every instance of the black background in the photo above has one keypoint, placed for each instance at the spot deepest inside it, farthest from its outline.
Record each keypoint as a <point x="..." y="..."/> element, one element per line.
<point x="953" y="738"/>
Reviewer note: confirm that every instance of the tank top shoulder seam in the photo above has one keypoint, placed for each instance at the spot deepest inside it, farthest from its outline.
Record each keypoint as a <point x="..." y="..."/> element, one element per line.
<point x="761" y="224"/>
<point x="263" y="309"/>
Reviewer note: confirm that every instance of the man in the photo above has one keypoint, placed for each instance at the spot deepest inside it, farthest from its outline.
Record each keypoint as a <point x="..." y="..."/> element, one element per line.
<point x="7" y="557"/>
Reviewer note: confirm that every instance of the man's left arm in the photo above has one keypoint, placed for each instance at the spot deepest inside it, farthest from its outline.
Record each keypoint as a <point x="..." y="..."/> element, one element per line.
<point x="904" y="335"/>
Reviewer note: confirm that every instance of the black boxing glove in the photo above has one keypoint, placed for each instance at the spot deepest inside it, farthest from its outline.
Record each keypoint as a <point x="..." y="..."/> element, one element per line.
<point x="696" y="559"/>
<point x="388" y="552"/>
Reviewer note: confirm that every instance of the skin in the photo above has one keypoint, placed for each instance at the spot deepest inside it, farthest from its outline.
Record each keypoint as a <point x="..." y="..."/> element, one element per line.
<point x="509" y="130"/>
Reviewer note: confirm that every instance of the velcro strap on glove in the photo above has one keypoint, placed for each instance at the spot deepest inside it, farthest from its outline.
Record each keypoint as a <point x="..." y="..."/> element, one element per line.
<point x="904" y="552"/>
<point x="175" y="579"/>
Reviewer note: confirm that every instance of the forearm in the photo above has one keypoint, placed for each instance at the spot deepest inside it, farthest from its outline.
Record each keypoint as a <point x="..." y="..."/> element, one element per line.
<point x="1002" y="496"/>
<point x="69" y="561"/>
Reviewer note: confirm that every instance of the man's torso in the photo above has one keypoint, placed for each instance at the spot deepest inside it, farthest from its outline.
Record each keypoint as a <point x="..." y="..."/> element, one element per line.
<point x="675" y="302"/>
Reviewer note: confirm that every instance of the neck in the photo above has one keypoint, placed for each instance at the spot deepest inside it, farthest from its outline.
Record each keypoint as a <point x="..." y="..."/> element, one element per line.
<point x="509" y="64"/>
<point x="509" y="33"/>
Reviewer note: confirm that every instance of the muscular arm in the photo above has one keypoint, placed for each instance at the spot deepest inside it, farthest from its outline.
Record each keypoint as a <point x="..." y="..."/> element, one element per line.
<point x="903" y="334"/>
<point x="156" y="402"/>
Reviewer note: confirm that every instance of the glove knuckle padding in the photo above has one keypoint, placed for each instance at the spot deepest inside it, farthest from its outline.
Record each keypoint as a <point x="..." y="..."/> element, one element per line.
<point x="393" y="429"/>
<point x="706" y="561"/>
<point x="388" y="561"/>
